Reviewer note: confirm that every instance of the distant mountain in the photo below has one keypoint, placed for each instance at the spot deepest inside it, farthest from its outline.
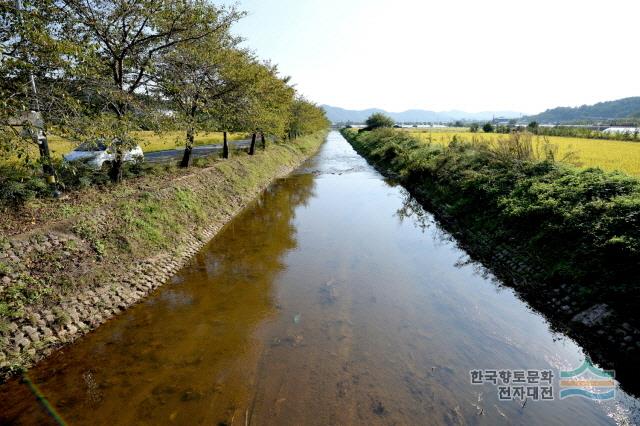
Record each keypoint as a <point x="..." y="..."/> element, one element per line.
<point x="611" y="110"/>
<point x="341" y="115"/>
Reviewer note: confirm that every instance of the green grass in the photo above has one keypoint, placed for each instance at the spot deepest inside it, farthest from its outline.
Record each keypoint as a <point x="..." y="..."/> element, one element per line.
<point x="146" y="221"/>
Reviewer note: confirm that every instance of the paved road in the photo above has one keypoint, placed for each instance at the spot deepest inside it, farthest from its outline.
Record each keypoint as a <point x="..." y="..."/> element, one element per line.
<point x="198" y="152"/>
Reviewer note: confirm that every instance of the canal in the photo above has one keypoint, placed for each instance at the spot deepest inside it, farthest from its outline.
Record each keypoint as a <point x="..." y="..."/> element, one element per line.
<point x="333" y="299"/>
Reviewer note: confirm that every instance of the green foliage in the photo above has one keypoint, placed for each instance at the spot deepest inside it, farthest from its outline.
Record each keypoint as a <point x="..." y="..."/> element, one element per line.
<point x="166" y="65"/>
<point x="266" y="105"/>
<point x="91" y="231"/>
<point x="199" y="78"/>
<point x="619" y="109"/>
<point x="487" y="128"/>
<point x="32" y="52"/>
<point x="379" y="120"/>
<point x="586" y="133"/>
<point x="306" y="118"/>
<point x="188" y="203"/>
<point x="121" y="61"/>
<point x="21" y="292"/>
<point x="151" y="221"/>
<point x="19" y="185"/>
<point x="474" y="127"/>
<point x="60" y="316"/>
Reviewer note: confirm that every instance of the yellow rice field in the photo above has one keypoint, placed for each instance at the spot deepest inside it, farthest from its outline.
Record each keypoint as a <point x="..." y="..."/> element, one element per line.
<point x="151" y="141"/>
<point x="606" y="154"/>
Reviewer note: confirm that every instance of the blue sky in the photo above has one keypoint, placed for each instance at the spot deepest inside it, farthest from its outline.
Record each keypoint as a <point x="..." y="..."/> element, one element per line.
<point x="522" y="55"/>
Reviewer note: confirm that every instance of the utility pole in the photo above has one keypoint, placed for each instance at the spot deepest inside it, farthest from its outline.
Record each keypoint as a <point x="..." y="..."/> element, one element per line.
<point x="35" y="116"/>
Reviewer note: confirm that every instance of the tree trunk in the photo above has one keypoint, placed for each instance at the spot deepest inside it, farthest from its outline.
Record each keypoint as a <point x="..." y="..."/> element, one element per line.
<point x="40" y="136"/>
<point x="116" y="144"/>
<point x="116" y="167"/>
<point x="45" y="156"/>
<point x="225" y="146"/>
<point x="252" y="147"/>
<point x="188" y="149"/>
<point x="263" y="140"/>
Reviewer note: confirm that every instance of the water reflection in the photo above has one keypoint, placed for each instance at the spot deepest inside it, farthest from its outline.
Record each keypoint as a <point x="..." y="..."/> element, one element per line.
<point x="414" y="213"/>
<point x="185" y="355"/>
<point x="411" y="210"/>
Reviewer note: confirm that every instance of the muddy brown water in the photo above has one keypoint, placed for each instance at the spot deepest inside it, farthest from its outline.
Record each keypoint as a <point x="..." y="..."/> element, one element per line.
<point x="331" y="300"/>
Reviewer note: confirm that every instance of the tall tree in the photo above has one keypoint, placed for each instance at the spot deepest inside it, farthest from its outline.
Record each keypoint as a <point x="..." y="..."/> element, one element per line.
<point x="127" y="39"/>
<point x="31" y="58"/>
<point x="306" y="118"/>
<point x="199" y="79"/>
<point x="379" y="120"/>
<point x="267" y="103"/>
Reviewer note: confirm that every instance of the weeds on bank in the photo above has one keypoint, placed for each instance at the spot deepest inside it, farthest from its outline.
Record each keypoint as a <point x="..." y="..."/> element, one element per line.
<point x="582" y="225"/>
<point x="22" y="291"/>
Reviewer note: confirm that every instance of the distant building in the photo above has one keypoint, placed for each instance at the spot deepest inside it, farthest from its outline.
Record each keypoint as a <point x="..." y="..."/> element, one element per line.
<point x="502" y="121"/>
<point x="622" y="130"/>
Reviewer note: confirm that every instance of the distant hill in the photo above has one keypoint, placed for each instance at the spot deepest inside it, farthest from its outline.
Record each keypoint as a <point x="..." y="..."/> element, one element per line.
<point x="611" y="110"/>
<point x="341" y="115"/>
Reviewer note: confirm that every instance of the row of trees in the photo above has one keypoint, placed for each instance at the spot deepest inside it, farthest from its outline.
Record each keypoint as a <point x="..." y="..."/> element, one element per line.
<point x="488" y="127"/>
<point x="100" y="69"/>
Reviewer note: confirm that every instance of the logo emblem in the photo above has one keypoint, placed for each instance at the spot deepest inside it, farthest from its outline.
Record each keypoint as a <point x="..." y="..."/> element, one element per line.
<point x="588" y="382"/>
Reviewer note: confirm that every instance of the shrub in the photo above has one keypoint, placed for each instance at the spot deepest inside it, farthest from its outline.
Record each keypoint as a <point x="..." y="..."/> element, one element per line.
<point x="19" y="185"/>
<point x="488" y="127"/>
<point x="379" y="120"/>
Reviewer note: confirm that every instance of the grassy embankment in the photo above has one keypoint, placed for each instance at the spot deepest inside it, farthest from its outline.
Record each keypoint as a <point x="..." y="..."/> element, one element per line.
<point x="577" y="230"/>
<point x="608" y="154"/>
<point x="106" y="231"/>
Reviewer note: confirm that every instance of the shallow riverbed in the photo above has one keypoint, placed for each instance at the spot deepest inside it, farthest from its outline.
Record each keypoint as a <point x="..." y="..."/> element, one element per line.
<point x="334" y="299"/>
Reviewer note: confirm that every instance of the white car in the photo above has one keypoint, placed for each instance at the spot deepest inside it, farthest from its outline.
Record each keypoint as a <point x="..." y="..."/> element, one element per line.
<point x="97" y="155"/>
